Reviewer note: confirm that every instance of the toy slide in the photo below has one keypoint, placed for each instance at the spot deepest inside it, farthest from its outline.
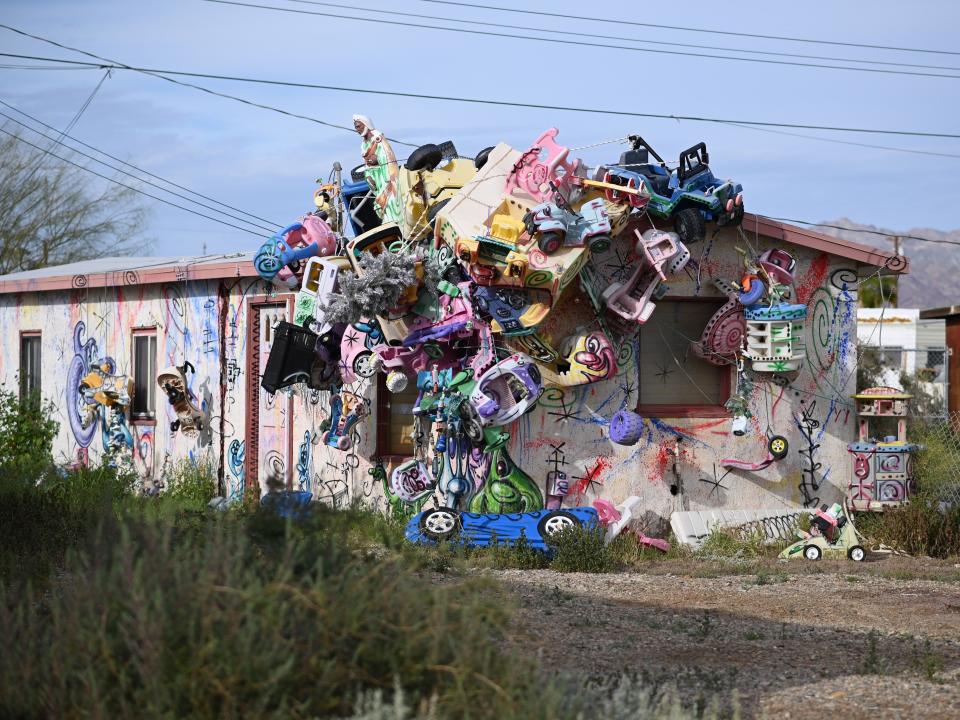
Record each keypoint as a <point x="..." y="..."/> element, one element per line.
<point x="777" y="449"/>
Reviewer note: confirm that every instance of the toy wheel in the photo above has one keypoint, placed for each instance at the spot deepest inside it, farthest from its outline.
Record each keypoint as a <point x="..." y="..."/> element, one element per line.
<point x="550" y="242"/>
<point x="440" y="524"/>
<point x="199" y="424"/>
<point x="470" y="420"/>
<point x="690" y="225"/>
<point x="435" y="210"/>
<point x="811" y="552"/>
<point x="780" y="380"/>
<point x="343" y="442"/>
<point x="599" y="243"/>
<point x="425" y="157"/>
<point x="325" y="436"/>
<point x="174" y="426"/>
<point x="625" y="427"/>
<point x="481" y="159"/>
<point x="754" y="294"/>
<point x="778" y="447"/>
<point x="554" y="523"/>
<point x="856" y="553"/>
<point x="364" y="365"/>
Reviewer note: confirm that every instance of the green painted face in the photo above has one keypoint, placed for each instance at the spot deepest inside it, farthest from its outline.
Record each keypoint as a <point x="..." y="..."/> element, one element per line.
<point x="506" y="488"/>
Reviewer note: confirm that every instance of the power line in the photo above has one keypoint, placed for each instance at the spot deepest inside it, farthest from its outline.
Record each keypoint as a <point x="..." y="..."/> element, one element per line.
<point x="114" y="64"/>
<point x="693" y="29"/>
<point x="129" y="187"/>
<point x="141" y="170"/>
<point x="628" y="39"/>
<point x="448" y="98"/>
<point x="580" y="43"/>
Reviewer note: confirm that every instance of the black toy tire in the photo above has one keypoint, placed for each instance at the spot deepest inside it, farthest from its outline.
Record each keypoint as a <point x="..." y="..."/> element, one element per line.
<point x="364" y="365"/>
<point x="441" y="523"/>
<point x="599" y="243"/>
<point x="174" y="426"/>
<point x="481" y="159"/>
<point x="470" y="420"/>
<point x="550" y="242"/>
<point x="690" y="225"/>
<point x="554" y="522"/>
<point x="434" y="211"/>
<point x="425" y="157"/>
<point x="775" y="449"/>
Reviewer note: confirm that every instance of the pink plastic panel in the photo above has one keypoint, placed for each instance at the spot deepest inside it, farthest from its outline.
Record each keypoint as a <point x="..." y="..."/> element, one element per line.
<point x="544" y="161"/>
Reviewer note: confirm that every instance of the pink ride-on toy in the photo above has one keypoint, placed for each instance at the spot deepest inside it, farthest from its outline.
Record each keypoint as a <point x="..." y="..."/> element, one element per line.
<point x="664" y="253"/>
<point x="541" y="163"/>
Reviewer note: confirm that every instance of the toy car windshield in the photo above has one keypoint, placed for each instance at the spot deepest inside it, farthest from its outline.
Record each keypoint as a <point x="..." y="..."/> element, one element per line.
<point x="517" y="388"/>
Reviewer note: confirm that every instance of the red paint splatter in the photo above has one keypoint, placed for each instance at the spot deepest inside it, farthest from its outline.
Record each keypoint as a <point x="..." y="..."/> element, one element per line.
<point x="539" y="442"/>
<point x="813" y="278"/>
<point x="705" y="426"/>
<point x="580" y="486"/>
<point x="660" y="463"/>
<point x="773" y="410"/>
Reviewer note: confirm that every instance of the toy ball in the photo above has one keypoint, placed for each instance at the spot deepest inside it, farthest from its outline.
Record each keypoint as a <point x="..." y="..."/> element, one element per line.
<point x="396" y="381"/>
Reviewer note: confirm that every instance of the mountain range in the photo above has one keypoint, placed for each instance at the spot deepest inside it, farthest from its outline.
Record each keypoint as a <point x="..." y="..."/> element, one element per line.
<point x="934" y="277"/>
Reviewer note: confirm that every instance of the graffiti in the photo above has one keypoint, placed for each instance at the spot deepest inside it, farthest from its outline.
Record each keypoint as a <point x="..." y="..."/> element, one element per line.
<point x="235" y="462"/>
<point x="82" y="421"/>
<point x="809" y="483"/>
<point x="591" y="479"/>
<point x="506" y="488"/>
<point x="558" y="485"/>
<point x="715" y="482"/>
<point x="303" y="464"/>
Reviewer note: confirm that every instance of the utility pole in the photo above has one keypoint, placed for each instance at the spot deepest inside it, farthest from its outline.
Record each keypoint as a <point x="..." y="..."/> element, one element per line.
<point x="895" y="300"/>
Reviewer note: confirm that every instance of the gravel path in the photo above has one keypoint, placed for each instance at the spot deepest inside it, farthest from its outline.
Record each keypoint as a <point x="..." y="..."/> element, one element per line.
<point x="790" y="645"/>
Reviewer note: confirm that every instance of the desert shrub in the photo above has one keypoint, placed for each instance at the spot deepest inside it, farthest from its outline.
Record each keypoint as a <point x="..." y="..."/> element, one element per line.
<point x="581" y="549"/>
<point x="192" y="482"/>
<point x="40" y="518"/>
<point x="923" y="527"/>
<point x="243" y="622"/>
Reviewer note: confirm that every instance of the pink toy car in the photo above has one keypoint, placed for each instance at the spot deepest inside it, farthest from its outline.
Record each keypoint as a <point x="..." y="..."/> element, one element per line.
<point x="541" y="163"/>
<point x="357" y="358"/>
<point x="664" y="253"/>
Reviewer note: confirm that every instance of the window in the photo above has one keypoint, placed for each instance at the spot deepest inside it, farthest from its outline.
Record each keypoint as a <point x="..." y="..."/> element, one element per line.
<point x="674" y="382"/>
<point x="395" y="419"/>
<point x="891" y="357"/>
<point x="144" y="374"/>
<point x="29" y="364"/>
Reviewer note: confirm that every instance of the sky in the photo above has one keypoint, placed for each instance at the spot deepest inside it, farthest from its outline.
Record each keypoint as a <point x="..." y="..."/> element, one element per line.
<point x="266" y="163"/>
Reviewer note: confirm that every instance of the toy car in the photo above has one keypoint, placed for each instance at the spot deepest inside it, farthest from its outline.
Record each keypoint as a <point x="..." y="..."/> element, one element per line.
<point x="538" y="528"/>
<point x="357" y="356"/>
<point x="346" y="410"/>
<point x="832" y="535"/>
<point x="689" y="195"/>
<point x="502" y="394"/>
<point x="583" y="358"/>
<point x="512" y="310"/>
<point x="319" y="280"/>
<point x="557" y="224"/>
<point x="542" y="168"/>
<point x="633" y="300"/>
<point x="431" y="176"/>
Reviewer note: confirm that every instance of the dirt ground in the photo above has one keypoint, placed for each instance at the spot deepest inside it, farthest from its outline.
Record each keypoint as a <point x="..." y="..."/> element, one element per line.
<point x="794" y="640"/>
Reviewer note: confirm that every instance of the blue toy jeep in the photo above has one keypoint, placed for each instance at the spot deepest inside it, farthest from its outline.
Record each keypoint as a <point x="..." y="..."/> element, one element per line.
<point x="689" y="195"/>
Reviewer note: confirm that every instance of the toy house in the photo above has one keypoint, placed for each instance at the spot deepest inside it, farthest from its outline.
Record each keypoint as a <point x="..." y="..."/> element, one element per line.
<point x="882" y="469"/>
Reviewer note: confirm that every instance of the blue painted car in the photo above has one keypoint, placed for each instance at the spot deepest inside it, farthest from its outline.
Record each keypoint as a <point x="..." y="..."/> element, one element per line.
<point x="467" y="528"/>
<point x="690" y="195"/>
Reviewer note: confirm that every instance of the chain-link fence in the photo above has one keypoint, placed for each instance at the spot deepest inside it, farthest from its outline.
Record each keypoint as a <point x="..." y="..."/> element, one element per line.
<point x="922" y="372"/>
<point x="938" y="462"/>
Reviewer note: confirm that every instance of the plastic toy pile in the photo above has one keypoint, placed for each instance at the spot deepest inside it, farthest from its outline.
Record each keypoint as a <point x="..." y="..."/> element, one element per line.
<point x="449" y="272"/>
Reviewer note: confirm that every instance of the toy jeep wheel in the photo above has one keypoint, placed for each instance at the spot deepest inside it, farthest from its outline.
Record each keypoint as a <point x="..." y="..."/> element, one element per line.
<point x="690" y="225"/>
<point x="599" y="243"/>
<point x="440" y="524"/>
<point x="472" y="426"/>
<point x="425" y="157"/>
<point x="174" y="426"/>
<point x="364" y="365"/>
<point x="481" y="159"/>
<point x="554" y="523"/>
<point x="857" y="553"/>
<point x="550" y="242"/>
<point x="343" y="442"/>
<point x="778" y="447"/>
<point x="812" y="552"/>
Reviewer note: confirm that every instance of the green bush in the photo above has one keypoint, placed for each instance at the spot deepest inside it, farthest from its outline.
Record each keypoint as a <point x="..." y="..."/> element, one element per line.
<point x="27" y="430"/>
<point x="920" y="528"/>
<point x="580" y="549"/>
<point x="192" y="482"/>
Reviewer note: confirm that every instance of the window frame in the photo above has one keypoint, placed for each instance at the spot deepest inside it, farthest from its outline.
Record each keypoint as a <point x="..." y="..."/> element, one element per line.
<point x="150" y="417"/>
<point x="686" y="410"/>
<point x="38" y="336"/>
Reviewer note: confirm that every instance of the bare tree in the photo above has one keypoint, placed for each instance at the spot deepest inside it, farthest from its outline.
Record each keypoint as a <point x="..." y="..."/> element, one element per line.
<point x="53" y="213"/>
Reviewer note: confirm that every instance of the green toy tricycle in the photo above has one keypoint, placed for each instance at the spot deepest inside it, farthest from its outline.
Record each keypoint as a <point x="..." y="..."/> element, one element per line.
<point x="831" y="535"/>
